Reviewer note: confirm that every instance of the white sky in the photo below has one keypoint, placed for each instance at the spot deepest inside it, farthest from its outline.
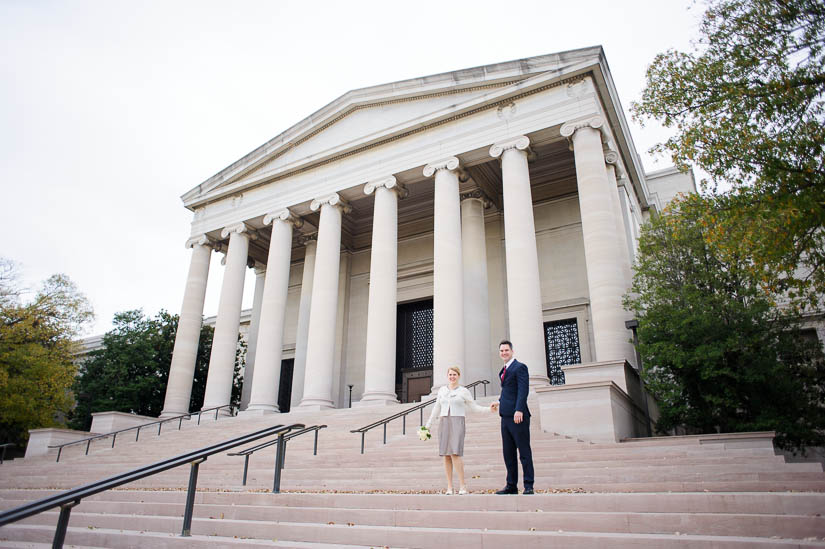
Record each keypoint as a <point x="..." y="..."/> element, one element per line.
<point x="111" y="109"/>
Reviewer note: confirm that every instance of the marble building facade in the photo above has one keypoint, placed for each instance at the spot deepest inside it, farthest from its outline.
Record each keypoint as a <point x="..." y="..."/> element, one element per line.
<point x="498" y="201"/>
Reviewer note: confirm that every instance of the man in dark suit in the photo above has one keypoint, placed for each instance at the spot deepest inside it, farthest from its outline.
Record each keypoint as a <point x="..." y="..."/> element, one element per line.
<point x="515" y="420"/>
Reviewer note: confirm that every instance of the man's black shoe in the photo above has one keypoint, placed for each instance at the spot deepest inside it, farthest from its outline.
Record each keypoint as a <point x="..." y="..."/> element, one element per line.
<point x="528" y="492"/>
<point x="507" y="491"/>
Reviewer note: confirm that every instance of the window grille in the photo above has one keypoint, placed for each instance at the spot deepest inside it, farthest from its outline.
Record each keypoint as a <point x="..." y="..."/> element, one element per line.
<point x="561" y="341"/>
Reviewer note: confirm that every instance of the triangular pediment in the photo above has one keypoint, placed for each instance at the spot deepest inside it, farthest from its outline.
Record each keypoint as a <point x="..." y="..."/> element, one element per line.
<point x="369" y="115"/>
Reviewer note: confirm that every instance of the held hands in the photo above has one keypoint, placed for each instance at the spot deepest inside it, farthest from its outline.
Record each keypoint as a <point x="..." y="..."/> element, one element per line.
<point x="518" y="417"/>
<point x="494" y="407"/>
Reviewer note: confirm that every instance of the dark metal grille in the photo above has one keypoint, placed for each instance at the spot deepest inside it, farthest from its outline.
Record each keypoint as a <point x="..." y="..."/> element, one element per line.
<point x="561" y="340"/>
<point x="414" y="338"/>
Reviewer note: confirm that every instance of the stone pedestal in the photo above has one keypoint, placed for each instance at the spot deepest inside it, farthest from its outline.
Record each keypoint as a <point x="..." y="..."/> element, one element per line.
<point x="599" y="402"/>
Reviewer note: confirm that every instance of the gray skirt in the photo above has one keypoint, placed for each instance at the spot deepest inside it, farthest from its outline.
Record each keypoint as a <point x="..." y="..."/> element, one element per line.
<point x="451" y="436"/>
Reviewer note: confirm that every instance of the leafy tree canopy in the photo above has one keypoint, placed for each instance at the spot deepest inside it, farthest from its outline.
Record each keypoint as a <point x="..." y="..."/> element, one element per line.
<point x="718" y="353"/>
<point x="130" y="371"/>
<point x="748" y="107"/>
<point x="36" y="352"/>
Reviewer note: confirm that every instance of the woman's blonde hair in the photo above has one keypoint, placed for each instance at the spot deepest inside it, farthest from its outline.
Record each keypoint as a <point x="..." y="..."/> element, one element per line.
<point x="456" y="369"/>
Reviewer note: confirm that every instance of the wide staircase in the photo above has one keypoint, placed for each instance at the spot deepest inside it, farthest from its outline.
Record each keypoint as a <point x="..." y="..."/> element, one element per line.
<point x="689" y="492"/>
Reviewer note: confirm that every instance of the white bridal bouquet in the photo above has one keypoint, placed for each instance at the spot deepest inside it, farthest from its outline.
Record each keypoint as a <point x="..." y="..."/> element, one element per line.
<point x="424" y="433"/>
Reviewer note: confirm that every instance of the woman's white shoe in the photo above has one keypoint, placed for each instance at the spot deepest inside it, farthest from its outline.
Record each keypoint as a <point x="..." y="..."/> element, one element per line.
<point x="462" y="492"/>
<point x="449" y="492"/>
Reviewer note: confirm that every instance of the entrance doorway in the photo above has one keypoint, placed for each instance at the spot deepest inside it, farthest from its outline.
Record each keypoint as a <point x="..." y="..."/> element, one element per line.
<point x="285" y="386"/>
<point x="414" y="350"/>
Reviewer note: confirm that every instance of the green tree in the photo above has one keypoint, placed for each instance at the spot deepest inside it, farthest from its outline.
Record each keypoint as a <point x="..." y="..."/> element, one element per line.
<point x="130" y="371"/>
<point x="748" y="107"/>
<point x="36" y="351"/>
<point x="718" y="353"/>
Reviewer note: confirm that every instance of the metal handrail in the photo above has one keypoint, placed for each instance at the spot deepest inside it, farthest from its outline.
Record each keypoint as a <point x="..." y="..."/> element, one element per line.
<point x="281" y="455"/>
<point x="70" y="498"/>
<point x="3" y="451"/>
<point x="403" y="415"/>
<point x="159" y="423"/>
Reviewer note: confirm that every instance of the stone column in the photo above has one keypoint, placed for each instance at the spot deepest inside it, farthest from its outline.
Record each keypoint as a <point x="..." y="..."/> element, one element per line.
<point x="271" y="332"/>
<point x="613" y="170"/>
<point x="605" y="277"/>
<point x="379" y="374"/>
<point x="321" y="336"/>
<point x="252" y="344"/>
<point x="185" y="353"/>
<point x="225" y="340"/>
<point x="299" y="366"/>
<point x="448" y="278"/>
<point x="477" y="303"/>
<point x="524" y="305"/>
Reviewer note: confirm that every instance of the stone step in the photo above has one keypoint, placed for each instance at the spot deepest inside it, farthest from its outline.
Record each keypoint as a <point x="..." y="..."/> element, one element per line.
<point x="717" y="524"/>
<point x="797" y="503"/>
<point x="409" y="536"/>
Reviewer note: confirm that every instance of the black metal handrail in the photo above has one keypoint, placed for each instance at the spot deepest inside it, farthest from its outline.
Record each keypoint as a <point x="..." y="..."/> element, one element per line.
<point x="159" y="423"/>
<point x="70" y="498"/>
<point x="3" y="450"/>
<point x="281" y="455"/>
<point x="403" y="415"/>
<point x="474" y="384"/>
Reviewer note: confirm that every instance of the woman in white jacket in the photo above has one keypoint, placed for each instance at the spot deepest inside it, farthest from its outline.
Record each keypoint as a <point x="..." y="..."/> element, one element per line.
<point x="450" y="407"/>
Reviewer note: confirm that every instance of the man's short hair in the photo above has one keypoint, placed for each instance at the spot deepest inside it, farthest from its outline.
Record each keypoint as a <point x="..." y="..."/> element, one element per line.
<point x="506" y="342"/>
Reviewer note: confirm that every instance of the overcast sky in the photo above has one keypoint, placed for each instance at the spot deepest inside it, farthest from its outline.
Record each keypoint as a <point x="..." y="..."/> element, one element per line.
<point x="110" y="110"/>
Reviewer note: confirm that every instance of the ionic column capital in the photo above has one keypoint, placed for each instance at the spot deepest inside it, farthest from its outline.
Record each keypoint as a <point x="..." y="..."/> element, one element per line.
<point x="389" y="183"/>
<point x="476" y="194"/>
<point x="240" y="228"/>
<point x="612" y="158"/>
<point x="569" y="128"/>
<point x="451" y="164"/>
<point x="306" y="239"/>
<point x="284" y="215"/>
<point x="333" y="199"/>
<point x="520" y="143"/>
<point x="199" y="240"/>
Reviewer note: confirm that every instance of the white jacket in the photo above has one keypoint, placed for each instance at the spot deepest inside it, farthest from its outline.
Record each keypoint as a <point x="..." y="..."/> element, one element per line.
<point x="451" y="402"/>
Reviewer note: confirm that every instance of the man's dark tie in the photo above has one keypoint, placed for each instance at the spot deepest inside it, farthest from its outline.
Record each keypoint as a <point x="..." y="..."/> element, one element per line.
<point x="503" y="372"/>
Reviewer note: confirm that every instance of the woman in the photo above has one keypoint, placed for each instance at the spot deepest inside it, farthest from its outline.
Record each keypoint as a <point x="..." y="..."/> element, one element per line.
<point x="449" y="407"/>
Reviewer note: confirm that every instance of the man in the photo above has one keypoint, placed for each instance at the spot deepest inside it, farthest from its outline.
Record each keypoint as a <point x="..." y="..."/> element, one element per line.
<point x="515" y="420"/>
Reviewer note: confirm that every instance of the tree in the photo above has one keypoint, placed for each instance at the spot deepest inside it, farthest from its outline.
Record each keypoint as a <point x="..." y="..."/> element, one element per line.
<point x="130" y="371"/>
<point x="748" y="107"/>
<point x="36" y="351"/>
<point x="718" y="353"/>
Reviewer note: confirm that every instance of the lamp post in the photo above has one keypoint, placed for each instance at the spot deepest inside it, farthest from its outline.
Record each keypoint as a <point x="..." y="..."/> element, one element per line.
<point x="350" y="395"/>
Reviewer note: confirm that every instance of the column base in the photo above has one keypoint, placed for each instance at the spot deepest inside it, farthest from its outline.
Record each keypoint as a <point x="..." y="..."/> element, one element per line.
<point x="165" y="414"/>
<point x="262" y="410"/>
<point x="315" y="404"/>
<point x="366" y="403"/>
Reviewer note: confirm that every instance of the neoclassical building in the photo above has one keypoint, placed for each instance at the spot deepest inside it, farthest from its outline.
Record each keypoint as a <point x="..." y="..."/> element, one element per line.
<point x="410" y="226"/>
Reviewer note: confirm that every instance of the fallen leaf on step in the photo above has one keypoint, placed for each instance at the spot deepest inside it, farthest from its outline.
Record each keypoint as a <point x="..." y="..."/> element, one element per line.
<point x="350" y="524"/>
<point x="532" y="529"/>
<point x="221" y="515"/>
<point x="330" y="522"/>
